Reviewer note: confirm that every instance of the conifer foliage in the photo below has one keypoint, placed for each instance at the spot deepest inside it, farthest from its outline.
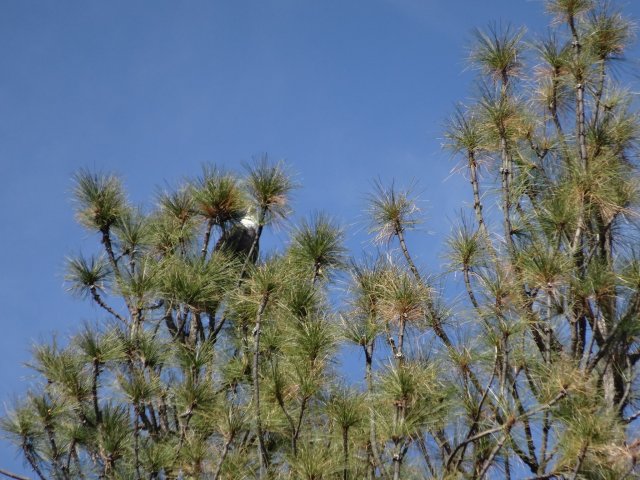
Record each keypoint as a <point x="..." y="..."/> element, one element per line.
<point x="210" y="362"/>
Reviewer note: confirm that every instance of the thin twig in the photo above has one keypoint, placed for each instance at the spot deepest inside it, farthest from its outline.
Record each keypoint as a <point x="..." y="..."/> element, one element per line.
<point x="9" y="474"/>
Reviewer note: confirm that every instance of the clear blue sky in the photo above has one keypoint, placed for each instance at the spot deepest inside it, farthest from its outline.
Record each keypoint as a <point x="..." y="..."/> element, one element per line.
<point x="346" y="91"/>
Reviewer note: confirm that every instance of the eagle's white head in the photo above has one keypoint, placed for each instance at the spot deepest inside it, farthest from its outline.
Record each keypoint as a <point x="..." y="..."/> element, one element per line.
<point x="249" y="221"/>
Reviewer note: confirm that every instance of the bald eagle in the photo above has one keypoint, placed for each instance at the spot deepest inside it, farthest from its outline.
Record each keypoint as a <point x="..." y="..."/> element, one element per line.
<point x="238" y="239"/>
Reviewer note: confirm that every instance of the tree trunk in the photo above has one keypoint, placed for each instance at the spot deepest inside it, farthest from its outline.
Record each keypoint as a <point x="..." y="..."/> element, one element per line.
<point x="262" y="451"/>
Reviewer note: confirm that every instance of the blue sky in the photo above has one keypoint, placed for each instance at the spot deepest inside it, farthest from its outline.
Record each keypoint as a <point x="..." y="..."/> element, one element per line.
<point x="345" y="91"/>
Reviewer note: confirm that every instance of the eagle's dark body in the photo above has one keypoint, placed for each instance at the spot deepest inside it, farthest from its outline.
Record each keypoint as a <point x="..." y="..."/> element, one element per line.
<point x="238" y="240"/>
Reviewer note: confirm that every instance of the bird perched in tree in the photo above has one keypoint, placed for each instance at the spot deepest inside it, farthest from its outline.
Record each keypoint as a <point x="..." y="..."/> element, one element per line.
<point x="239" y="239"/>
